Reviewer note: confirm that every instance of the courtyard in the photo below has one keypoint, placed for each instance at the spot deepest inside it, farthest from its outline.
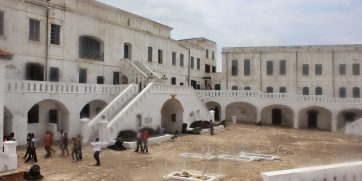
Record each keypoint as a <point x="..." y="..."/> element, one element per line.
<point x="297" y="148"/>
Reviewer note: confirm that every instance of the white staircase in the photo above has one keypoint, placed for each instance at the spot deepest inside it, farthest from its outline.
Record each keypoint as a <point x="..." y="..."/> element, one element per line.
<point x="139" y="71"/>
<point x="354" y="128"/>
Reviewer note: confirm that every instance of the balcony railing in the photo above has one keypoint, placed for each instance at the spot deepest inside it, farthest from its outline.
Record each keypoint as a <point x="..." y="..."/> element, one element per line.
<point x="25" y="86"/>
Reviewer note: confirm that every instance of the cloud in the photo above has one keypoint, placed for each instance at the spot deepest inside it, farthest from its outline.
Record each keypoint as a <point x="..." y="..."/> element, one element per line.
<point x="233" y="23"/>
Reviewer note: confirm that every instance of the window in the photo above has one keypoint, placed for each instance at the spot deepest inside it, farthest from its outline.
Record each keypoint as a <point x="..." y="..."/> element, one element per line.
<point x="355" y="68"/>
<point x="305" y="69"/>
<point x="356" y="92"/>
<point x="54" y="74"/>
<point x="53" y="116"/>
<point x="342" y="69"/>
<point x="192" y="62"/>
<point x="318" y="69"/>
<point x="305" y="91"/>
<point x="247" y="88"/>
<point x="198" y="64"/>
<point x="139" y="120"/>
<point x="213" y="55"/>
<point x="34" y="71"/>
<point x="283" y="90"/>
<point x="234" y="68"/>
<point x="115" y="78"/>
<point x="90" y="48"/>
<point x="34" y="30"/>
<point x="83" y="76"/>
<point x="207" y="68"/>
<point x="181" y="60"/>
<point x="234" y="87"/>
<point x="318" y="91"/>
<point x="100" y="80"/>
<point x="149" y="54"/>
<point x="213" y="69"/>
<point x="246" y="67"/>
<point x="173" y="81"/>
<point x="269" y="90"/>
<point x="342" y="92"/>
<point x="160" y="54"/>
<point x="2" y="23"/>
<point x="55" y="34"/>
<point x="207" y="53"/>
<point x="181" y="83"/>
<point x="127" y="51"/>
<point x="173" y="58"/>
<point x="33" y="114"/>
<point x="282" y="67"/>
<point x="269" y="67"/>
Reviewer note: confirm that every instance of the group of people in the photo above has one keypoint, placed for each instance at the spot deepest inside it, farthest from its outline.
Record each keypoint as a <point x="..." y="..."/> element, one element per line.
<point x="30" y="154"/>
<point x="142" y="141"/>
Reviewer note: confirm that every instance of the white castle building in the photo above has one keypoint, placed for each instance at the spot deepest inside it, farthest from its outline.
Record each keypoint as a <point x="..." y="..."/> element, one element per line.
<point x="62" y="60"/>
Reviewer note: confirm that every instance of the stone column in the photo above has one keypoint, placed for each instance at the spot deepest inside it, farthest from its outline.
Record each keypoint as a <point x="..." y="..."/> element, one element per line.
<point x="85" y="130"/>
<point x="296" y="120"/>
<point x="222" y="113"/>
<point x="258" y="116"/>
<point x="334" y="122"/>
<point x="10" y="150"/>
<point x="102" y="126"/>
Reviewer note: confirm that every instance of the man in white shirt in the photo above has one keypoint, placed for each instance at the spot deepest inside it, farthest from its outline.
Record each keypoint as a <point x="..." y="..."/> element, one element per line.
<point x="97" y="150"/>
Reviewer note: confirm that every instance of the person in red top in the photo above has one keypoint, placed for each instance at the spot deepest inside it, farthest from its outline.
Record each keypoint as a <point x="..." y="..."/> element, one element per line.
<point x="145" y="140"/>
<point x="48" y="141"/>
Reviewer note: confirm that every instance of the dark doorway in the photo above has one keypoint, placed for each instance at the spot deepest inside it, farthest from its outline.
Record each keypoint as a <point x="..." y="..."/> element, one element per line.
<point x="100" y="80"/>
<point x="217" y="113"/>
<point x="53" y="116"/>
<point x="115" y="78"/>
<point x="193" y="84"/>
<point x="349" y="116"/>
<point x="217" y="87"/>
<point x="276" y="116"/>
<point x="34" y="71"/>
<point x="312" y="119"/>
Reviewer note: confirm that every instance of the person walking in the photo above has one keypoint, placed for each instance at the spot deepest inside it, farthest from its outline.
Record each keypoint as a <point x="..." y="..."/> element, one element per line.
<point x="75" y="155"/>
<point x="32" y="152"/>
<point x="28" y="143"/>
<point x="97" y="150"/>
<point x="64" y="143"/>
<point x="211" y="128"/>
<point x="139" y="142"/>
<point x="79" y="150"/>
<point x="145" y="141"/>
<point x="48" y="143"/>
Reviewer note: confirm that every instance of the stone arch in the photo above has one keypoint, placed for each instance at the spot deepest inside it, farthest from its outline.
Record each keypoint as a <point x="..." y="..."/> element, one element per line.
<point x="216" y="107"/>
<point x="278" y="115"/>
<point x="348" y="116"/>
<point x="92" y="108"/>
<point x="124" y="79"/>
<point x="315" y="117"/>
<point x="244" y="112"/>
<point x="8" y="121"/>
<point x="48" y="114"/>
<point x="172" y="115"/>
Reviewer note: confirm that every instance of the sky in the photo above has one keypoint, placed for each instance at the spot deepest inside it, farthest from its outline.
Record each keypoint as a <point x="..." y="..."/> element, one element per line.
<point x="243" y="23"/>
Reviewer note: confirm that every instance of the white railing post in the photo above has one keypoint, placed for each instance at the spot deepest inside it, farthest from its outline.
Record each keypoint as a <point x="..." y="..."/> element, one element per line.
<point x="10" y="150"/>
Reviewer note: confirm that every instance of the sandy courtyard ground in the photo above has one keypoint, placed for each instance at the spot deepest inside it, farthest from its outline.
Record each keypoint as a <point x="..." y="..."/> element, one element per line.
<point x="298" y="148"/>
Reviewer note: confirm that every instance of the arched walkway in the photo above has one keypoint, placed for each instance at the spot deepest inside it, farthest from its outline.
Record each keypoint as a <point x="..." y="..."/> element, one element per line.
<point x="124" y="79"/>
<point x="244" y="112"/>
<point x="92" y="108"/>
<point x="8" y="121"/>
<point x="216" y="107"/>
<point x="348" y="115"/>
<point x="49" y="115"/>
<point x="315" y="117"/>
<point x="172" y="115"/>
<point x="278" y="115"/>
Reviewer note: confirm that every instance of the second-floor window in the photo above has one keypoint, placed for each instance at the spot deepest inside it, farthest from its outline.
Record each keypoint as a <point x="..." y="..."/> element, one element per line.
<point x="173" y="81"/>
<point x="355" y="69"/>
<point x="269" y="90"/>
<point x="305" y="91"/>
<point x="181" y="60"/>
<point x="356" y="92"/>
<point x="207" y="68"/>
<point x="213" y="55"/>
<point x="342" y="69"/>
<point x="34" y="30"/>
<point x="127" y="51"/>
<point x="318" y="91"/>
<point x="160" y="54"/>
<point x="149" y="54"/>
<point x="342" y="92"/>
<point x="55" y="34"/>
<point x="54" y="74"/>
<point x="246" y="67"/>
<point x="2" y="23"/>
<point x="83" y="76"/>
<point x="207" y="53"/>
<point x="318" y="69"/>
<point x="90" y="48"/>
<point x="213" y="69"/>
<point x="192" y="62"/>
<point x="282" y="67"/>
<point x="283" y="90"/>
<point x="173" y="58"/>
<point x="234" y="68"/>
<point x="269" y="67"/>
<point x="305" y="69"/>
<point x="198" y="63"/>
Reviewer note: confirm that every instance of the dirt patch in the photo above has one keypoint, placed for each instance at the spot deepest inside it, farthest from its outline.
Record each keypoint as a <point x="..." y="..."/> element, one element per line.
<point x="297" y="148"/>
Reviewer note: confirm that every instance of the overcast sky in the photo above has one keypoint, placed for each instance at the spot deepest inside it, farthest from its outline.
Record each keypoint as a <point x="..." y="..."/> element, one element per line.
<point x="235" y="23"/>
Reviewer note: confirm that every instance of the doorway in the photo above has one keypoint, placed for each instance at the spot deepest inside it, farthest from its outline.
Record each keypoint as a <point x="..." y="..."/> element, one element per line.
<point x="276" y="116"/>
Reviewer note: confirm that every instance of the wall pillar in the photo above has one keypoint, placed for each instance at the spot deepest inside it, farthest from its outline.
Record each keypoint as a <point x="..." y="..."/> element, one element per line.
<point x="222" y="113"/>
<point x="102" y="126"/>
<point x="334" y="122"/>
<point x="258" y="116"/>
<point x="84" y="130"/>
<point x="296" y="120"/>
<point x="20" y="128"/>
<point x="2" y="85"/>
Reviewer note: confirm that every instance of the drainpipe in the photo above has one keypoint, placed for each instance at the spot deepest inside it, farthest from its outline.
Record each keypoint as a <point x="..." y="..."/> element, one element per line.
<point x="296" y="72"/>
<point x="261" y="75"/>
<point x="188" y="66"/>
<point x="333" y="76"/>
<point x="46" y="45"/>
<point x="227" y="71"/>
